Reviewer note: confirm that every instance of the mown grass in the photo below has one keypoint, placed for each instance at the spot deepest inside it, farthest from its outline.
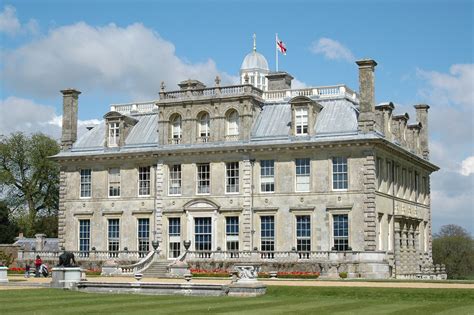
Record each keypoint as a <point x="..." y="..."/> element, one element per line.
<point x="278" y="300"/>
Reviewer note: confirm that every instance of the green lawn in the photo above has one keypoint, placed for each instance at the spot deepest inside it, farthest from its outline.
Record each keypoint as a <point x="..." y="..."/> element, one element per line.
<point x="278" y="300"/>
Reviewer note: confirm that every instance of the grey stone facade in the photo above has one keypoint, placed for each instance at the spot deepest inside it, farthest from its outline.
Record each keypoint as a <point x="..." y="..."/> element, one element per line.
<point x="384" y="196"/>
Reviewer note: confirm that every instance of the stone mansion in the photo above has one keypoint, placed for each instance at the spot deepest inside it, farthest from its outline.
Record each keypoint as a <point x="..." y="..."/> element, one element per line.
<point x="319" y="176"/>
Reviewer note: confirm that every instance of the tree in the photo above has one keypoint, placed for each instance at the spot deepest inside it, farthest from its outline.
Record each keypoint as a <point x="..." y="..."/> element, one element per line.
<point x="29" y="180"/>
<point x="8" y="228"/>
<point x="454" y="247"/>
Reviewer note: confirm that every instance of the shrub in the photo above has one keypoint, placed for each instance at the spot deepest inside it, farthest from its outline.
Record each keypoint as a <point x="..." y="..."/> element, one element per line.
<point x="298" y="275"/>
<point x="343" y="275"/>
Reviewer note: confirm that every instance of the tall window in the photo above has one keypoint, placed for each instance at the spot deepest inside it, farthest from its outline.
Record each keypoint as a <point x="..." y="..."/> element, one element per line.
<point x="174" y="182"/>
<point x="301" y="121"/>
<point x="389" y="177"/>
<point x="232" y="177"/>
<point x="143" y="237"/>
<point x="114" y="134"/>
<point x="203" y="234"/>
<point x="302" y="174"/>
<point x="174" y="234"/>
<point x="144" y="181"/>
<point x="86" y="183"/>
<point x="267" y="233"/>
<point x="176" y="132"/>
<point x="204" y="127"/>
<point x="203" y="178"/>
<point x="232" y="125"/>
<point x="378" y="172"/>
<point x="114" y="182"/>
<point x="339" y="173"/>
<point x="267" y="176"/>
<point x="113" y="237"/>
<point x="380" y="232"/>
<point x="341" y="232"/>
<point x="84" y="237"/>
<point x="232" y="233"/>
<point x="303" y="233"/>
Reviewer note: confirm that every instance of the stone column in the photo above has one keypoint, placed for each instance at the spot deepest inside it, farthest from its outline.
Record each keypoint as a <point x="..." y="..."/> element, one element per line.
<point x="397" y="247"/>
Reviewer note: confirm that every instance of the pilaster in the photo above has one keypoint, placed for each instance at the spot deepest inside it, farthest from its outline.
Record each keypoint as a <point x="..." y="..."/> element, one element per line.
<point x="62" y="209"/>
<point x="159" y="204"/>
<point x="247" y="204"/>
<point x="369" y="203"/>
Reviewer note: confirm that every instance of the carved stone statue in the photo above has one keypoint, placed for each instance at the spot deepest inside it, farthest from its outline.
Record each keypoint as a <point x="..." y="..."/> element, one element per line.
<point x="66" y="259"/>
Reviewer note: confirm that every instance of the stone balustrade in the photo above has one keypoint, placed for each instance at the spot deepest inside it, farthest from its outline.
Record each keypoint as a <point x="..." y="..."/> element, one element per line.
<point x="134" y="108"/>
<point x="319" y="92"/>
<point x="92" y="255"/>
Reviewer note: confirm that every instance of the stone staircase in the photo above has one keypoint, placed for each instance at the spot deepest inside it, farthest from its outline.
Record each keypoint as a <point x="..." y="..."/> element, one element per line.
<point x="158" y="269"/>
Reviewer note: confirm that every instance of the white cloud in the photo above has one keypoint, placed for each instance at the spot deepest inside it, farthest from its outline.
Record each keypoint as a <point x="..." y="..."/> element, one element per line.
<point x="132" y="60"/>
<point x="467" y="166"/>
<point x="24" y="115"/>
<point x="332" y="49"/>
<point x="455" y="87"/>
<point x="10" y="24"/>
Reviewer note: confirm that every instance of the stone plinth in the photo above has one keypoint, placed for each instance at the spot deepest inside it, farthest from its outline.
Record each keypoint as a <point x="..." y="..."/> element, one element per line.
<point x="3" y="274"/>
<point x="65" y="277"/>
<point x="111" y="268"/>
<point x="179" y="269"/>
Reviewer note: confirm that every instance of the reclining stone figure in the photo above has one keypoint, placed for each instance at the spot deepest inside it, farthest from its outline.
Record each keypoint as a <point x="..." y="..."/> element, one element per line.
<point x="66" y="259"/>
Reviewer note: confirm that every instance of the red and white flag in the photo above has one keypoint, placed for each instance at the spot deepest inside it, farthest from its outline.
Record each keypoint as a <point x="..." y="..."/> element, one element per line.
<point x="281" y="46"/>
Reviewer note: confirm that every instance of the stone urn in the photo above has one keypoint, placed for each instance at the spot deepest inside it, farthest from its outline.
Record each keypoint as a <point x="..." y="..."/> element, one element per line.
<point x="186" y="244"/>
<point x="188" y="277"/>
<point x="155" y="244"/>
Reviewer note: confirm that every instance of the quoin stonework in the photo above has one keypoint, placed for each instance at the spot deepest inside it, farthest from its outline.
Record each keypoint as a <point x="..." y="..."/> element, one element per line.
<point x="316" y="179"/>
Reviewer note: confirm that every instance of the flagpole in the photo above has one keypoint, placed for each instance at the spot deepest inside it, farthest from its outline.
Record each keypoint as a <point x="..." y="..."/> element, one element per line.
<point x="276" y="50"/>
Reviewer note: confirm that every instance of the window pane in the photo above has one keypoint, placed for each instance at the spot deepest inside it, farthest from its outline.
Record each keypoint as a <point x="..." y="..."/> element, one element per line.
<point x="203" y="234"/>
<point x="267" y="233"/>
<point x="143" y="237"/>
<point x="114" y="182"/>
<point x="84" y="237"/>
<point x="341" y="232"/>
<point x="302" y="171"/>
<point x="174" y="180"/>
<point x="267" y="179"/>
<point x="113" y="237"/>
<point x="144" y="181"/>
<point x="339" y="173"/>
<point x="86" y="183"/>
<point x="203" y="178"/>
<point x="232" y="177"/>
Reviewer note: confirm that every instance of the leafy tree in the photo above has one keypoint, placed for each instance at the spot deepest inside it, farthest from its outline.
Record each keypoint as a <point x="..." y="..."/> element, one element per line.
<point x="29" y="181"/>
<point x="454" y="247"/>
<point x="8" y="228"/>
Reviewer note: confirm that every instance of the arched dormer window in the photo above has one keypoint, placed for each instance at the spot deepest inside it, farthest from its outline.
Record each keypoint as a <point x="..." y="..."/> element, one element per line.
<point x="232" y="125"/>
<point x="176" y="129"/>
<point x="204" y="131"/>
<point x="304" y="114"/>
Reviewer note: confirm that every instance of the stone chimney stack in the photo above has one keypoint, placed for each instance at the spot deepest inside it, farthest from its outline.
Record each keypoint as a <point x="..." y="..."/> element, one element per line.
<point x="422" y="117"/>
<point x="40" y="241"/>
<point x="280" y="80"/>
<point x="70" y="107"/>
<point x="366" y="94"/>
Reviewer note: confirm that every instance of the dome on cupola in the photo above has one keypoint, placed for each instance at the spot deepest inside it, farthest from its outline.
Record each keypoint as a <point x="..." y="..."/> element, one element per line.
<point x="254" y="60"/>
<point x="255" y="68"/>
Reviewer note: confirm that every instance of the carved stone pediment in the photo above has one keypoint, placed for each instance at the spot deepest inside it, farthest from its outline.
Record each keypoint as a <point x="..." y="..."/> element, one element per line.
<point x="201" y="204"/>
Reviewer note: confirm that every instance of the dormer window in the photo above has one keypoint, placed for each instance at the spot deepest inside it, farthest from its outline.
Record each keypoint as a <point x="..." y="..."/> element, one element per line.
<point x="114" y="134"/>
<point x="301" y="121"/>
<point x="232" y="125"/>
<point x="304" y="113"/>
<point x="176" y="130"/>
<point x="118" y="127"/>
<point x="204" y="131"/>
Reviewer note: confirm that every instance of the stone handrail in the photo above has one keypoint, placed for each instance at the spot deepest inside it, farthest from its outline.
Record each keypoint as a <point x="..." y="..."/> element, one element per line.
<point x="229" y="90"/>
<point x="285" y="256"/>
<point x="320" y="92"/>
<point x="129" y="108"/>
<point x="139" y="266"/>
<point x="92" y="255"/>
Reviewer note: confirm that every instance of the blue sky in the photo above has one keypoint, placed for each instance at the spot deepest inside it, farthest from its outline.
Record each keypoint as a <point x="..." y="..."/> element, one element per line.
<point x="120" y="51"/>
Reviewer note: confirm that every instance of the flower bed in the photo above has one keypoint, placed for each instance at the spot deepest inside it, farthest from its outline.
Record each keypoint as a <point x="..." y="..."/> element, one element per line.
<point x="17" y="271"/>
<point x="298" y="275"/>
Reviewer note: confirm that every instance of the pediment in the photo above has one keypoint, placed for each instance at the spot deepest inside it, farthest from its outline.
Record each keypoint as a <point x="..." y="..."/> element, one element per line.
<point x="200" y="205"/>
